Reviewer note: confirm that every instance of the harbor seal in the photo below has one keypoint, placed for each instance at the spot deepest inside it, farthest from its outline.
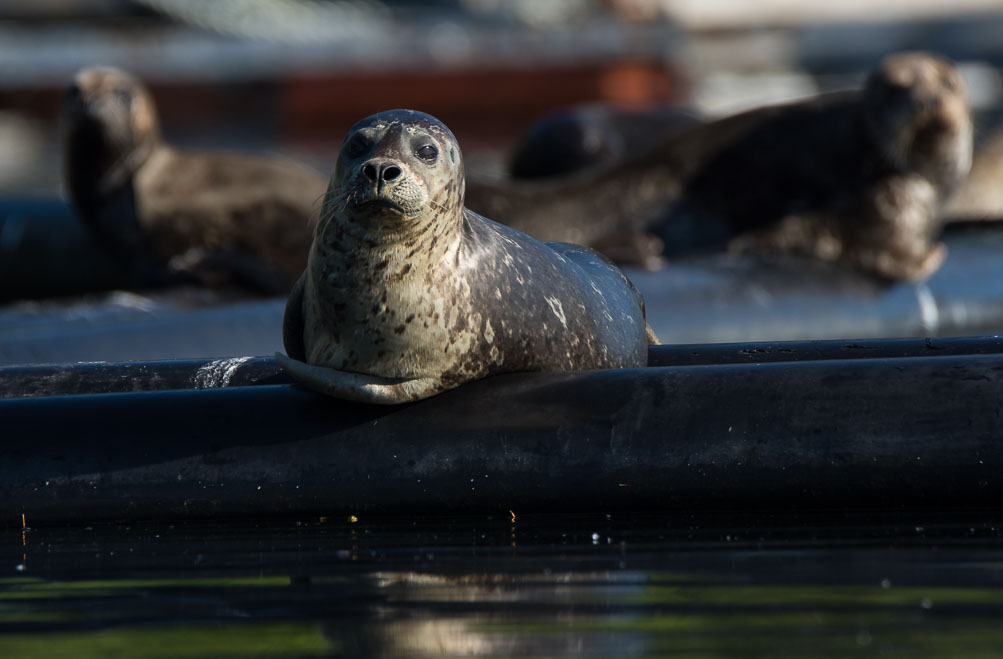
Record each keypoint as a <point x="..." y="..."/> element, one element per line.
<point x="584" y="136"/>
<point x="858" y="178"/>
<point x="175" y="216"/>
<point x="407" y="293"/>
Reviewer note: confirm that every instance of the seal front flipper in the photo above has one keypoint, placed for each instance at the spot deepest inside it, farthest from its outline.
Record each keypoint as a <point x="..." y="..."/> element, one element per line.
<point x="359" y="387"/>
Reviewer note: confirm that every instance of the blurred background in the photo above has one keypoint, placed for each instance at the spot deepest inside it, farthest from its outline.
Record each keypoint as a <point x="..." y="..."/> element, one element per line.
<point x="291" y="76"/>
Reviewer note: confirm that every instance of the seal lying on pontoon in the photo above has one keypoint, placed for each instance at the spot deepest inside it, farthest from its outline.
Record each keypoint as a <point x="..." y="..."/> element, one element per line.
<point x="407" y="293"/>
<point x="856" y="177"/>
<point x="174" y="216"/>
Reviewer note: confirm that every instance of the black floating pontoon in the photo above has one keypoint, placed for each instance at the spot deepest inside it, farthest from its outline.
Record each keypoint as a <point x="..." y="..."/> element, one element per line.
<point x="837" y="425"/>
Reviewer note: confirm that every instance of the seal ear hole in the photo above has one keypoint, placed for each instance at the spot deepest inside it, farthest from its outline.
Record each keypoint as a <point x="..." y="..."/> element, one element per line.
<point x="427" y="152"/>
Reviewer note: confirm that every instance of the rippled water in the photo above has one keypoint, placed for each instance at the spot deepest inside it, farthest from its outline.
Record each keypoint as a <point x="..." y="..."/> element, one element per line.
<point x="532" y="586"/>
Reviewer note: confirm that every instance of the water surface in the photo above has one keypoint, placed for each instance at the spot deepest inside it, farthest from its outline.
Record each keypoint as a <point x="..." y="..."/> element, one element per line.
<point x="789" y="585"/>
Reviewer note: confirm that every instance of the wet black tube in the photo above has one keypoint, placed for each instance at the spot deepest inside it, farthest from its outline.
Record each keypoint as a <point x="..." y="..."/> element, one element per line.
<point x="865" y="434"/>
<point x="119" y="377"/>
<point x="796" y="351"/>
<point x="114" y="377"/>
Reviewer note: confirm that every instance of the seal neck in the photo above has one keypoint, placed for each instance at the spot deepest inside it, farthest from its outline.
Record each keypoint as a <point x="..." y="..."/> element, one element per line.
<point x="380" y="246"/>
<point x="96" y="167"/>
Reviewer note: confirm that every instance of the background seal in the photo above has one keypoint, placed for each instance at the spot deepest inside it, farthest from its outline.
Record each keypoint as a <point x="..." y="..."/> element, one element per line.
<point x="858" y="178"/>
<point x="580" y="137"/>
<point x="174" y="216"/>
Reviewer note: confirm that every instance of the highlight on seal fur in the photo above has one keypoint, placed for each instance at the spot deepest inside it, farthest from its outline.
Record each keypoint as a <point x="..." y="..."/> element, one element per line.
<point x="407" y="293"/>
<point x="170" y="215"/>
<point x="854" y="177"/>
<point x="980" y="197"/>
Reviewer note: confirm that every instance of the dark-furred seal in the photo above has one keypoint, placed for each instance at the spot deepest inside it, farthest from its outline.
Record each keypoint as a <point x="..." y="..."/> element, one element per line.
<point x="858" y="178"/>
<point x="174" y="216"/>
<point x="580" y="137"/>
<point x="407" y="293"/>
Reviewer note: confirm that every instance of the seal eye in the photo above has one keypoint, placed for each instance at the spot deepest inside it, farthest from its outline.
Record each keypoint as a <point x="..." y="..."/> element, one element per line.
<point x="358" y="146"/>
<point x="428" y="153"/>
<point x="123" y="95"/>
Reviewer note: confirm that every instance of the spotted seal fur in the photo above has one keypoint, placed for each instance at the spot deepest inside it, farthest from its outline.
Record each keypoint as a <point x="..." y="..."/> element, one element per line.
<point x="407" y="293"/>
<point x="170" y="215"/>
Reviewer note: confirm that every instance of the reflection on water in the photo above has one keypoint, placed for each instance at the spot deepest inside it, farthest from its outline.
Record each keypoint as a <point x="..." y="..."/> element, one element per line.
<point x="622" y="585"/>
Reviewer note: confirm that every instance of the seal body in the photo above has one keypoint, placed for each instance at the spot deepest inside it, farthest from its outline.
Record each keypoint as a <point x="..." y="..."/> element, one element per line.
<point x="407" y="293"/>
<point x="174" y="215"/>
<point x="858" y="178"/>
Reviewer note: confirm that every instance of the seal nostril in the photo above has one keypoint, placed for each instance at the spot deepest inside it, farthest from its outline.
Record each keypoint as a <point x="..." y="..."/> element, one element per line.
<point x="391" y="172"/>
<point x="370" y="172"/>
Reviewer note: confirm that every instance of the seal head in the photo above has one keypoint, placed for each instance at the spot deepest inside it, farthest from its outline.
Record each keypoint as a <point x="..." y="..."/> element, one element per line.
<point x="581" y="137"/>
<point x="407" y="293"/>
<point x="916" y="107"/>
<point x="394" y="167"/>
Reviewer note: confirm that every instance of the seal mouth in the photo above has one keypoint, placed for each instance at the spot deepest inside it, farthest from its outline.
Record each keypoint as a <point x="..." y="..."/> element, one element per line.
<point x="379" y="202"/>
<point x="383" y="204"/>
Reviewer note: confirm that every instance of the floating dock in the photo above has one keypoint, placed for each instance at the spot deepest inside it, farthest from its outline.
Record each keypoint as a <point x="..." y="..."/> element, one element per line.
<point x="876" y="425"/>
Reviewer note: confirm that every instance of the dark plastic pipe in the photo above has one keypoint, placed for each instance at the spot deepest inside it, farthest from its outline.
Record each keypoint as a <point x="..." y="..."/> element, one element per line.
<point x="112" y="377"/>
<point x="866" y="434"/>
